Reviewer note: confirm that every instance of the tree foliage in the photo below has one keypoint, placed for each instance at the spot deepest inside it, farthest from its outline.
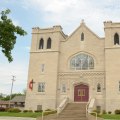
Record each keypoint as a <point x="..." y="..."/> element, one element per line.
<point x="8" y="34"/>
<point x="12" y="96"/>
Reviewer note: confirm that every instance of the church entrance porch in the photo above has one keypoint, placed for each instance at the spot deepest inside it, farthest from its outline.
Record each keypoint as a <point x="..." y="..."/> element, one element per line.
<point x="81" y="93"/>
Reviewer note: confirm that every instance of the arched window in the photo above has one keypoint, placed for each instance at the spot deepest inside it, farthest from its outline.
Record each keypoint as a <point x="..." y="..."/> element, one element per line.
<point x="49" y="43"/>
<point x="98" y="87"/>
<point x="41" y="44"/>
<point x="116" y="39"/>
<point x="63" y="88"/>
<point x="82" y="36"/>
<point x="82" y="62"/>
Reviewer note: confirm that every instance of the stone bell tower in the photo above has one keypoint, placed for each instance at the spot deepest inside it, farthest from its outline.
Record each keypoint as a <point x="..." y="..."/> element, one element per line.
<point x="43" y="68"/>
<point x="112" y="65"/>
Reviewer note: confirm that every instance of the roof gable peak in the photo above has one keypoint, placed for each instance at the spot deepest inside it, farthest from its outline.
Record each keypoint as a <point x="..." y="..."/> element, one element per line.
<point x="82" y="24"/>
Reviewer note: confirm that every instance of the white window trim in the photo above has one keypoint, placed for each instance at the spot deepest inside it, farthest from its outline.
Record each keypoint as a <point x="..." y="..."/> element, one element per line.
<point x="41" y="88"/>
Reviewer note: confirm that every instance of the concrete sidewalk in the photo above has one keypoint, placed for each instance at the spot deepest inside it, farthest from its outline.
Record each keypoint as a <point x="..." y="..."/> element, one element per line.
<point x="16" y="118"/>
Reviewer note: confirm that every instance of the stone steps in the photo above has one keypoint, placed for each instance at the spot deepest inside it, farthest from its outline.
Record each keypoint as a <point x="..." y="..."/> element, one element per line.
<point x="73" y="111"/>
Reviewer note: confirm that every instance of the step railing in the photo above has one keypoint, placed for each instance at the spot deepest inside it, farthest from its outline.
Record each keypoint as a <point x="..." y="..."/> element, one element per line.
<point x="62" y="105"/>
<point x="90" y="105"/>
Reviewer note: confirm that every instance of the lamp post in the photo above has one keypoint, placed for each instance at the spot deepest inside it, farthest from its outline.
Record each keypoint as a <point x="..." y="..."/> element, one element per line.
<point x="13" y="79"/>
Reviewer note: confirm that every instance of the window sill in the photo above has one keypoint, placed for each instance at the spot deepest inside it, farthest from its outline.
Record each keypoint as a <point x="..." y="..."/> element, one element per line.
<point x="63" y="93"/>
<point x="99" y="93"/>
<point x="40" y="93"/>
<point x="42" y="73"/>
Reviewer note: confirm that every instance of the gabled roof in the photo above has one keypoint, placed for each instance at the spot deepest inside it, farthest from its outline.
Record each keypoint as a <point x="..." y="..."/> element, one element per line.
<point x="20" y="98"/>
<point x="83" y="25"/>
<point x="2" y="102"/>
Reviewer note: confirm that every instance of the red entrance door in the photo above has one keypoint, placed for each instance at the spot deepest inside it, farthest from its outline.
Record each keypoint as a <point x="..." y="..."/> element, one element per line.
<point x="81" y="93"/>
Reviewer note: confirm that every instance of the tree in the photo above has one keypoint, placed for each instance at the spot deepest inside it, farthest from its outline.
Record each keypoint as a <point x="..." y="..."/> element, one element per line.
<point x="1" y="96"/>
<point x="6" y="98"/>
<point x="8" y="34"/>
<point x="24" y="91"/>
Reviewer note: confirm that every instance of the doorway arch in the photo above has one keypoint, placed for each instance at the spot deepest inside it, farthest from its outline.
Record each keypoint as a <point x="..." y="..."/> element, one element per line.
<point x="81" y="93"/>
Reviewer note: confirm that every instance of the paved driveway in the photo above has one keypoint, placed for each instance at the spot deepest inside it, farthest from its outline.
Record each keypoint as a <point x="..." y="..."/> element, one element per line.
<point x="16" y="118"/>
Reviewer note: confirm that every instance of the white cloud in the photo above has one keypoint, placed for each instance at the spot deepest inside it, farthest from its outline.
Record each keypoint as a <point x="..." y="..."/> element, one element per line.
<point x="69" y="13"/>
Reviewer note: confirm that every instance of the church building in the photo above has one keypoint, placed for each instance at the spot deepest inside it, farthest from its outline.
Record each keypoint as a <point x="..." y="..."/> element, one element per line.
<point x="81" y="66"/>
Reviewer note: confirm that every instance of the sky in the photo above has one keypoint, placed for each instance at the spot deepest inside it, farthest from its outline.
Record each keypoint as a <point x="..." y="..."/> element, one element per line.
<point x="47" y="13"/>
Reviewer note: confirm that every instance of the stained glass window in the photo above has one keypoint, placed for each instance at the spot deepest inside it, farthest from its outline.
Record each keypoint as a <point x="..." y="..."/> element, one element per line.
<point x="82" y="62"/>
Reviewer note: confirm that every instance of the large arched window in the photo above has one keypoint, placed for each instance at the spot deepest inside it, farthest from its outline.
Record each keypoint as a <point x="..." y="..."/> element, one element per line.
<point x="49" y="43"/>
<point x="116" y="39"/>
<point x="41" y="44"/>
<point x="82" y="62"/>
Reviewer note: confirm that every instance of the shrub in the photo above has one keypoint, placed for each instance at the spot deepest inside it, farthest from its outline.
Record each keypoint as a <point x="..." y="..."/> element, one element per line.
<point x="97" y="111"/>
<point x="30" y="111"/>
<point x="38" y="110"/>
<point x="109" y="112"/>
<point x="14" y="110"/>
<point x="117" y="111"/>
<point x="2" y="109"/>
<point x="49" y="112"/>
<point x="25" y="111"/>
<point x="6" y="109"/>
<point x="104" y="112"/>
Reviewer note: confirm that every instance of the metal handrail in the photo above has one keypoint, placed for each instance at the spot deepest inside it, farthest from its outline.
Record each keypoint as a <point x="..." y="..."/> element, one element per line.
<point x="95" y="114"/>
<point x="87" y="107"/>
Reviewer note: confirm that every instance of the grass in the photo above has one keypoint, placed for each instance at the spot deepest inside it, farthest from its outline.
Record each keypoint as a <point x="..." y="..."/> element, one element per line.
<point x="110" y="116"/>
<point x="27" y="114"/>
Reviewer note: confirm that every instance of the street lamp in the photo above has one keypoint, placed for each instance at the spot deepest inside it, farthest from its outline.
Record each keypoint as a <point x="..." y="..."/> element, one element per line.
<point x="13" y="79"/>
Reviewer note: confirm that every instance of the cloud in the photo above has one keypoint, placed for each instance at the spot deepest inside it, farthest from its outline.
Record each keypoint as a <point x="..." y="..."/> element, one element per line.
<point x="69" y="13"/>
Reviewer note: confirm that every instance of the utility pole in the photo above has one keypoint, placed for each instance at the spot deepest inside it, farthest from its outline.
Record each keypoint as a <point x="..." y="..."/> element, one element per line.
<point x="13" y="79"/>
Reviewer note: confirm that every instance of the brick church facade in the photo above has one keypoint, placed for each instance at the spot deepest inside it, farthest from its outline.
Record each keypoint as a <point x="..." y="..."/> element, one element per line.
<point x="81" y="66"/>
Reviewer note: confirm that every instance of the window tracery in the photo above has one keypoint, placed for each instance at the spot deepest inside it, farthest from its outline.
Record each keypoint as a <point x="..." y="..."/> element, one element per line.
<point x="82" y="62"/>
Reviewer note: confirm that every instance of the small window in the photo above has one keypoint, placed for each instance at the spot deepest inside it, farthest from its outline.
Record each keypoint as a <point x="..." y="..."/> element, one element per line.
<point x="49" y="43"/>
<point x="63" y="88"/>
<point x="82" y="36"/>
<point x="41" y="87"/>
<point x="98" y="108"/>
<point x="42" y="67"/>
<point x="41" y="44"/>
<point x="116" y="39"/>
<point x="98" y="87"/>
<point x="39" y="107"/>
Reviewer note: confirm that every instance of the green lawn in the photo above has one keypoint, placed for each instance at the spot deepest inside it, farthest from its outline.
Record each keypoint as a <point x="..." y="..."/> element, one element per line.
<point x="110" y="116"/>
<point x="27" y="114"/>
